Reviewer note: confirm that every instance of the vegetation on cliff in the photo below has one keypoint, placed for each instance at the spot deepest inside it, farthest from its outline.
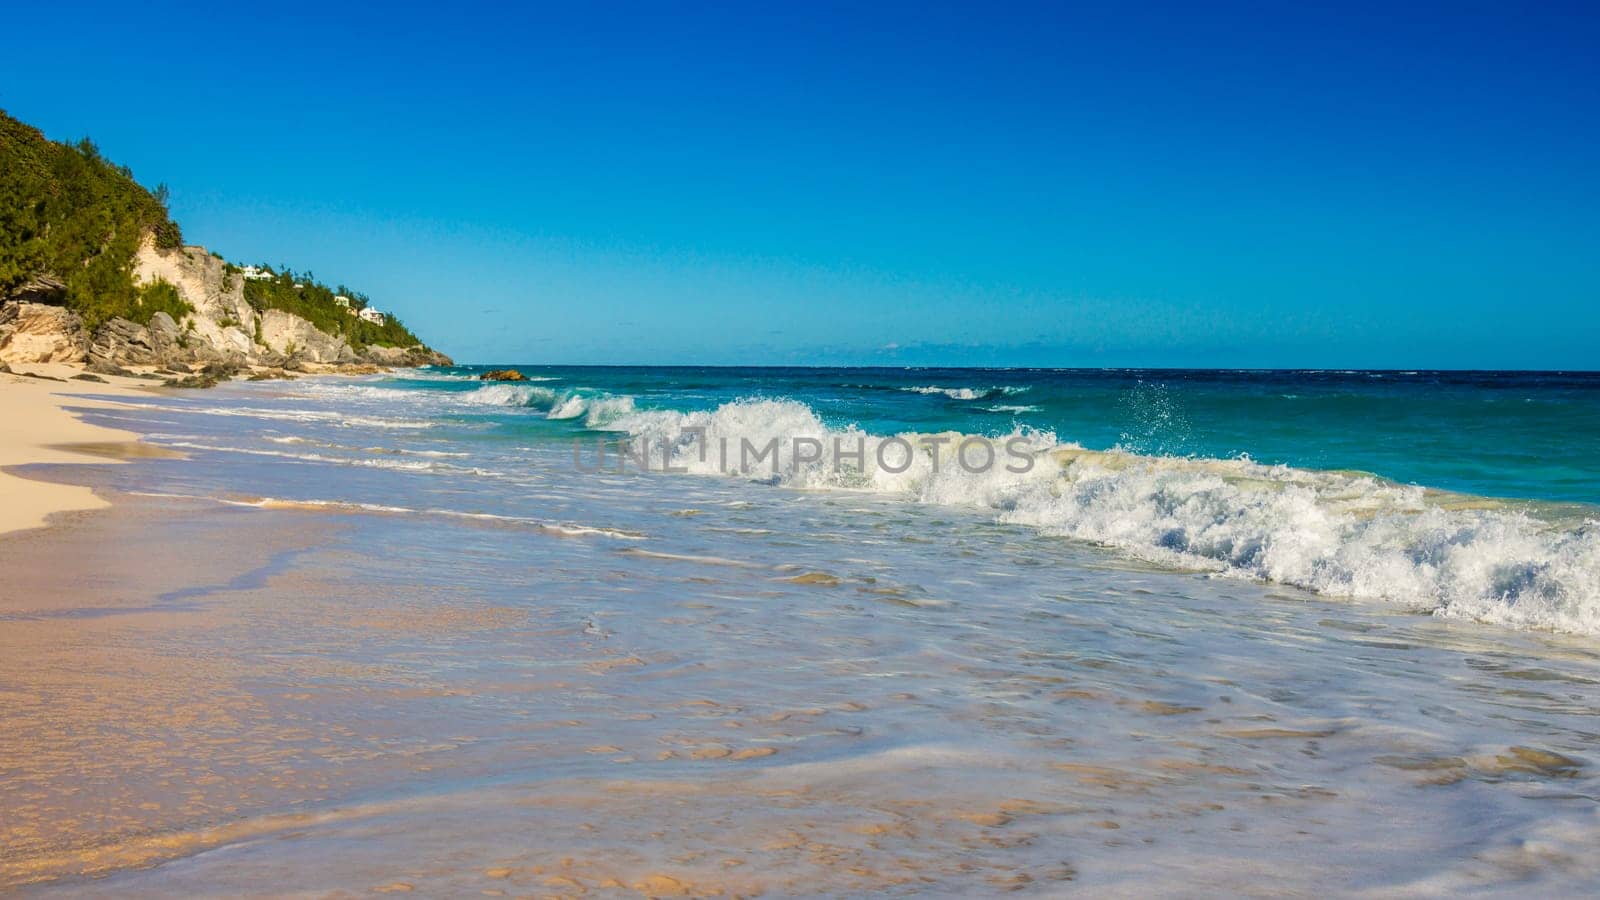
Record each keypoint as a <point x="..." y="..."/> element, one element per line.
<point x="159" y="296"/>
<point x="73" y="220"/>
<point x="300" y="293"/>
<point x="68" y="212"/>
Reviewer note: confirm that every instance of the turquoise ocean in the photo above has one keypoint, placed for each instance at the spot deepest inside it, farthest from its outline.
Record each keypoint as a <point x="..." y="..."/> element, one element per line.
<point x="1282" y="631"/>
<point x="1470" y="494"/>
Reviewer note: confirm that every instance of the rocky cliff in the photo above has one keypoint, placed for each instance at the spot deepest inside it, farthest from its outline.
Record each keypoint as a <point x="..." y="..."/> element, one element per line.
<point x="223" y="330"/>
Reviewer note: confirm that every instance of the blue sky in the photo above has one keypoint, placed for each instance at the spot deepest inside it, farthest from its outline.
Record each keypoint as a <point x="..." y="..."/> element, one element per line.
<point x="1205" y="185"/>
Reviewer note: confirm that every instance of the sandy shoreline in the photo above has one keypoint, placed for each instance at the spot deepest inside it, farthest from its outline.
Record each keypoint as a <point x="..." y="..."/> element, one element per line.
<point x="365" y="687"/>
<point x="37" y="428"/>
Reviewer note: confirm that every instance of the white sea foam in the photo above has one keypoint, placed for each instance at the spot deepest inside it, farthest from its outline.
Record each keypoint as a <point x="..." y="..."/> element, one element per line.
<point x="508" y="395"/>
<point x="966" y="393"/>
<point x="426" y="375"/>
<point x="363" y="462"/>
<point x="300" y="415"/>
<point x="489" y="395"/>
<point x="1336" y="533"/>
<point x="559" y="529"/>
<point x="330" y="445"/>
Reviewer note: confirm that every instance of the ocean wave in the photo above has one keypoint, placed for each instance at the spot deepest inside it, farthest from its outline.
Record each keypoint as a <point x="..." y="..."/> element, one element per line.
<point x="597" y="410"/>
<point x="424" y="374"/>
<point x="508" y="395"/>
<point x="1340" y="534"/>
<point x="966" y="393"/>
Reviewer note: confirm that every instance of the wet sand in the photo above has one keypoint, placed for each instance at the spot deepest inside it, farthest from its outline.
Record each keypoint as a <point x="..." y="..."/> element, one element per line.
<point x="205" y="699"/>
<point x="35" y="428"/>
<point x="176" y="681"/>
<point x="224" y="696"/>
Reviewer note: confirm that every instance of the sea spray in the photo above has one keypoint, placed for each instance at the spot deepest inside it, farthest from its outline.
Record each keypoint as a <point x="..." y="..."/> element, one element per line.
<point x="509" y="395"/>
<point x="1336" y="533"/>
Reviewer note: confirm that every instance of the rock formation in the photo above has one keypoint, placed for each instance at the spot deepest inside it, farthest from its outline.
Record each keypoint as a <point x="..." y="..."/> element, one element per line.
<point x="39" y="289"/>
<point x="39" y="333"/>
<point x="223" y="334"/>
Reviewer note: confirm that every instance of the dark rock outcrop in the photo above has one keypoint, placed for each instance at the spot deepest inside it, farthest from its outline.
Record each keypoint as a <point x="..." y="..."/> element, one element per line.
<point x="503" y="375"/>
<point x="121" y="342"/>
<point x="101" y="367"/>
<point x="46" y="289"/>
<point x="271" y="359"/>
<point x="192" y="381"/>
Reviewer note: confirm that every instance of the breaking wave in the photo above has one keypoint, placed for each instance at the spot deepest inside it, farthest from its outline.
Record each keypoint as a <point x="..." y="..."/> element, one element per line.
<point x="966" y="393"/>
<point x="597" y="410"/>
<point x="509" y="395"/>
<point x="1340" y="534"/>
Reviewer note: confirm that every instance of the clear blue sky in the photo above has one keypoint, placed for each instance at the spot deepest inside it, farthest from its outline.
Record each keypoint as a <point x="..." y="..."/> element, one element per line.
<point x="1210" y="185"/>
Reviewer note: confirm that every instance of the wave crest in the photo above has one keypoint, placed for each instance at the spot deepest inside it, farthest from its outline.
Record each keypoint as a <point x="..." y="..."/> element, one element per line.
<point x="1343" y="534"/>
<point x="966" y="393"/>
<point x="509" y="395"/>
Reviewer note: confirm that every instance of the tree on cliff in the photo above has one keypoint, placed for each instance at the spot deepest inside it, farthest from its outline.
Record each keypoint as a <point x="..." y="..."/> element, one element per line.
<point x="67" y="211"/>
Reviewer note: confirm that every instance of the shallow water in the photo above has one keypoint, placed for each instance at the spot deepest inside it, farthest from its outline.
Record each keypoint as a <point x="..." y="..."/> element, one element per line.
<point x="1469" y="495"/>
<point x="434" y="656"/>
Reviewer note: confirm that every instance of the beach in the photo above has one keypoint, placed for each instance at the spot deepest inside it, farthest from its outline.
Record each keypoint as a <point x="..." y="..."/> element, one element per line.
<point x="354" y="635"/>
<point x="35" y="429"/>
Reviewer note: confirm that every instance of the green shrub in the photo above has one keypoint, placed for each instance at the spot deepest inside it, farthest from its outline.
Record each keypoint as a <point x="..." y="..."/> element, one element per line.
<point x="313" y="302"/>
<point x="67" y="211"/>
<point x="160" y="296"/>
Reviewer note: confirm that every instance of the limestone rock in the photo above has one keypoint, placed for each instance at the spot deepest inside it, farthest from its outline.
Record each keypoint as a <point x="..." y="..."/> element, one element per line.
<point x="222" y="316"/>
<point x="503" y="375"/>
<point x="225" y="329"/>
<point x="405" y="357"/>
<point x="38" y="333"/>
<point x="294" y="337"/>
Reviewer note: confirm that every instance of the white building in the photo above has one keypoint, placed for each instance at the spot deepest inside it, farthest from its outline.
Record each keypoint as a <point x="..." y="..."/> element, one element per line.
<point x="256" y="273"/>
<point x="341" y="300"/>
<point x="371" y="315"/>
